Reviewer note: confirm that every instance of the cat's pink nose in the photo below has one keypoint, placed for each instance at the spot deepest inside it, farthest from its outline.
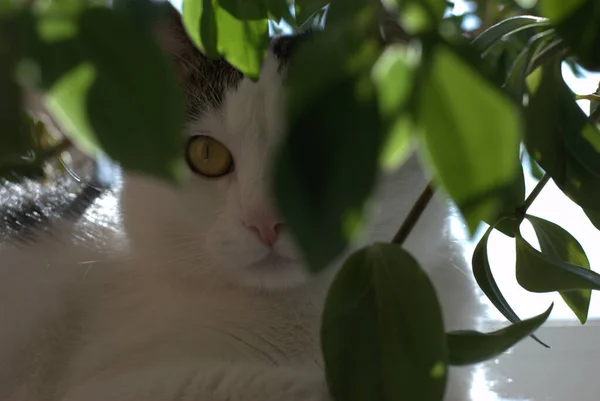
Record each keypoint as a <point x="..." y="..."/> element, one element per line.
<point x="267" y="231"/>
<point x="266" y="228"/>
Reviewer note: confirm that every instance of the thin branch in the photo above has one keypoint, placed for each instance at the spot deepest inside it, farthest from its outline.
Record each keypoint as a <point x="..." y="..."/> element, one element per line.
<point x="413" y="216"/>
<point x="595" y="115"/>
<point x="536" y="191"/>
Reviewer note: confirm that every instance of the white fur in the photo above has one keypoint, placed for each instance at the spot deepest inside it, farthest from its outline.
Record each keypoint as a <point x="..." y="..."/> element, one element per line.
<point x="184" y="312"/>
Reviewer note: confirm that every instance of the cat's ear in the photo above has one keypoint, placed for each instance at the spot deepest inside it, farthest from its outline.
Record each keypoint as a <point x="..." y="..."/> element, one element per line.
<point x="171" y="34"/>
<point x="174" y="41"/>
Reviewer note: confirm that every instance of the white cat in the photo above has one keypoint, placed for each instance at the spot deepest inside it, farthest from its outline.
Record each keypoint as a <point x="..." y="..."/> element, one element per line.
<point x="204" y="297"/>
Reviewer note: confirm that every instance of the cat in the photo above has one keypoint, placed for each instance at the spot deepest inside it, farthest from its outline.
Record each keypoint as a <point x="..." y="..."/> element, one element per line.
<point x="146" y="291"/>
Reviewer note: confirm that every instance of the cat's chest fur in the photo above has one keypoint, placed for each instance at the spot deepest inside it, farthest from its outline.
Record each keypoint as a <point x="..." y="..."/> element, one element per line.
<point x="150" y="319"/>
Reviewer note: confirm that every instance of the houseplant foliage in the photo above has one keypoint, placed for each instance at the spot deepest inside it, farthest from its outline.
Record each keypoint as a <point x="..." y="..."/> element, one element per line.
<point x="389" y="75"/>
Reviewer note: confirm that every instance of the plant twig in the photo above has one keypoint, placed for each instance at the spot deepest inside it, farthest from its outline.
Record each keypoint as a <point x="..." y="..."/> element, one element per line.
<point x="413" y="216"/>
<point x="536" y="191"/>
<point x="595" y="115"/>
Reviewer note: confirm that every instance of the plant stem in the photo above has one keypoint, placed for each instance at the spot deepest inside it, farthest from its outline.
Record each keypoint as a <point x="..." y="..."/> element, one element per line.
<point x="413" y="216"/>
<point x="595" y="115"/>
<point x="536" y="191"/>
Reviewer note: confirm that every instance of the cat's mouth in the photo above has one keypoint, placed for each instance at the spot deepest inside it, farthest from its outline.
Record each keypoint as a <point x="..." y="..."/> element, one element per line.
<point x="272" y="261"/>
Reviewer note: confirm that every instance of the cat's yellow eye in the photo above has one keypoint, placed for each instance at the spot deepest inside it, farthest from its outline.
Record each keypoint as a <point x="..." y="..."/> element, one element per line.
<point x="209" y="157"/>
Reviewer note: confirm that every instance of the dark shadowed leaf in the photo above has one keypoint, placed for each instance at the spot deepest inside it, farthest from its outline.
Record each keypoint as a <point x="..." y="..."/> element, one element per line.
<point x="563" y="142"/>
<point x="306" y="8"/>
<point x="506" y="27"/>
<point x="127" y="102"/>
<point x="521" y="67"/>
<point x="594" y="217"/>
<point x="245" y="9"/>
<point x="471" y="132"/>
<point x="327" y="165"/>
<point x="382" y="334"/>
<point x="557" y="243"/>
<point x="483" y="275"/>
<point x="541" y="272"/>
<point x="469" y="347"/>
<point x="578" y="22"/>
<point x="243" y="43"/>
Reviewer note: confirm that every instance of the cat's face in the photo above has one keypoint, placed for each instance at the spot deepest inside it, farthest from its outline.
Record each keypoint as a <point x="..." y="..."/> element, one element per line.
<point x="224" y="218"/>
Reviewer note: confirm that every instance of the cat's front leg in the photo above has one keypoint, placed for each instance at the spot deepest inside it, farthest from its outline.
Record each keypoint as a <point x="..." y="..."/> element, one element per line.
<point x="205" y="382"/>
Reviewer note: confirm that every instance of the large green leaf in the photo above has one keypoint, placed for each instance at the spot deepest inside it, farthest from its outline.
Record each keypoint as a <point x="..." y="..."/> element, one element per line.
<point x="563" y="142"/>
<point x="327" y="165"/>
<point x="471" y="132"/>
<point x="243" y="43"/>
<point x="484" y="277"/>
<point x="467" y="347"/>
<point x="382" y="334"/>
<point x="578" y="22"/>
<point x="127" y="102"/>
<point x="541" y="272"/>
<point x="557" y="243"/>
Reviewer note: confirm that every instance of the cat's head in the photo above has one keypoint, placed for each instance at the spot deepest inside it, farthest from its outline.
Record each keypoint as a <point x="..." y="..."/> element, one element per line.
<point x="223" y="220"/>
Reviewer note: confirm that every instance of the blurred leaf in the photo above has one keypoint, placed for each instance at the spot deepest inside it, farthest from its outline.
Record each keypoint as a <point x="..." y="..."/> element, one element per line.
<point x="561" y="139"/>
<point x="504" y="28"/>
<point x="376" y="342"/>
<point x="559" y="244"/>
<point x="578" y="22"/>
<point x="542" y="272"/>
<point x="471" y="134"/>
<point x="217" y="32"/>
<point x="327" y="165"/>
<point x="119" y="99"/>
<point x="468" y="347"/>
<point x="483" y="275"/>
<point x="418" y="16"/>
<point x="306" y="8"/>
<point x="394" y="75"/>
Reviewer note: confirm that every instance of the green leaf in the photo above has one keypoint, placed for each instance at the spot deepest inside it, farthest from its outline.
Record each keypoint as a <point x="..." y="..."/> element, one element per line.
<point x="127" y="102"/>
<point x="557" y="243"/>
<point x="468" y="347"/>
<point x="578" y="22"/>
<point x="327" y="165"/>
<point x="509" y="26"/>
<point x="460" y="110"/>
<point x="484" y="277"/>
<point x="201" y="25"/>
<point x="541" y="272"/>
<point x="243" y="43"/>
<point x="394" y="75"/>
<point x="382" y="333"/>
<point x="306" y="8"/>
<point x="563" y="142"/>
